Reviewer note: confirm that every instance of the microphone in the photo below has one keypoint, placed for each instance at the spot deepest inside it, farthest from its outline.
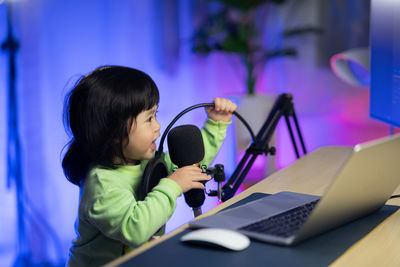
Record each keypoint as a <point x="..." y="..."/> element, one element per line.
<point x="186" y="147"/>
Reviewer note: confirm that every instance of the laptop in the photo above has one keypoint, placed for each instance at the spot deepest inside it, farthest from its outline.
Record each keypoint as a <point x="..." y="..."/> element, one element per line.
<point x="362" y="185"/>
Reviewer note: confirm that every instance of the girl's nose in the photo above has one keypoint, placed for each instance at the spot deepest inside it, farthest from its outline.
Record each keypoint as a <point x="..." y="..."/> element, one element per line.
<point x="157" y="126"/>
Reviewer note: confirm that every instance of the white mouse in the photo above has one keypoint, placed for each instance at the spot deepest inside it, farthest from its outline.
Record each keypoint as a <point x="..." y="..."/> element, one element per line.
<point x="218" y="237"/>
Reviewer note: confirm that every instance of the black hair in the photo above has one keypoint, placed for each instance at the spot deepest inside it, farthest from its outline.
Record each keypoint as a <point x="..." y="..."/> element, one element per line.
<point x="98" y="111"/>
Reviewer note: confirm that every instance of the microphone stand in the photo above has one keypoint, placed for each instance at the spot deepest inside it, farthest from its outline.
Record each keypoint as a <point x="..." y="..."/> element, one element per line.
<point x="14" y="165"/>
<point x="197" y="211"/>
<point x="283" y="106"/>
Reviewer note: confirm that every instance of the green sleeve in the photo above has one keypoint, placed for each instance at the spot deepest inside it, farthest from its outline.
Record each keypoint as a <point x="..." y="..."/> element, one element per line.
<point x="213" y="134"/>
<point x="119" y="216"/>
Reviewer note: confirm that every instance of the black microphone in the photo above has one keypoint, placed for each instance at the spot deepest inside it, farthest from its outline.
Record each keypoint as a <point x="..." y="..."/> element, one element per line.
<point x="186" y="147"/>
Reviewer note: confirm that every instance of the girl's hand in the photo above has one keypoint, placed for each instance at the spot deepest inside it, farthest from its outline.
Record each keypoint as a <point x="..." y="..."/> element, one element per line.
<point x="222" y="111"/>
<point x="189" y="177"/>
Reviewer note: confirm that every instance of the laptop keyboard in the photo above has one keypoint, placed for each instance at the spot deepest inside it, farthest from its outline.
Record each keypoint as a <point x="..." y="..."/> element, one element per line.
<point x="284" y="224"/>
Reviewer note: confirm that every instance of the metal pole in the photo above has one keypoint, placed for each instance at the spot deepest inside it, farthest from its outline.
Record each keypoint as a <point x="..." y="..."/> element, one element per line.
<point x="14" y="169"/>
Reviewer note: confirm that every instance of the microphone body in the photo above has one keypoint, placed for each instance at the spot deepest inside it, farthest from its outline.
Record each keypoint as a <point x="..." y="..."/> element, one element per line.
<point x="186" y="147"/>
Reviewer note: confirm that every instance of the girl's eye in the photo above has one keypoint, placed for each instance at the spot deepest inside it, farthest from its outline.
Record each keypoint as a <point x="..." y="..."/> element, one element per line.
<point x="154" y="116"/>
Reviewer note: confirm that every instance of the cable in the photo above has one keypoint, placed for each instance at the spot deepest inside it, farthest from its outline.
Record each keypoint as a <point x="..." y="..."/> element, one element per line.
<point x="198" y="106"/>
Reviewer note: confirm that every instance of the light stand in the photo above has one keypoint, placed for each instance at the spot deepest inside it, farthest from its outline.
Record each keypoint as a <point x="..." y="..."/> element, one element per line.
<point x="14" y="170"/>
<point x="283" y="106"/>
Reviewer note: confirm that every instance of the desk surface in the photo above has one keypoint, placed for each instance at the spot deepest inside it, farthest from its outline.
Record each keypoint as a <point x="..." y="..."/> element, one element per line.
<point x="312" y="174"/>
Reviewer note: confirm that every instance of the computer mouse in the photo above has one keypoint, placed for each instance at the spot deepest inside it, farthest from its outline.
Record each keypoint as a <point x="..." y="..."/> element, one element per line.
<point x="217" y="237"/>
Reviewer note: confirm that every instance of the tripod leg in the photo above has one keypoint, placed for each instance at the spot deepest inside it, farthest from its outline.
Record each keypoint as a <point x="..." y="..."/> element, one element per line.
<point x="299" y="132"/>
<point x="292" y="136"/>
<point x="229" y="190"/>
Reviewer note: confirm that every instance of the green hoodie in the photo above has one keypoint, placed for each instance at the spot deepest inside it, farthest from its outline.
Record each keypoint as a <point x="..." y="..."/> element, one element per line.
<point x="110" y="218"/>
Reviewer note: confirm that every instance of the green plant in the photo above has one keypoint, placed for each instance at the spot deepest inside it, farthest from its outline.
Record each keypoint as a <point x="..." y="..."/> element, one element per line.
<point x="234" y="28"/>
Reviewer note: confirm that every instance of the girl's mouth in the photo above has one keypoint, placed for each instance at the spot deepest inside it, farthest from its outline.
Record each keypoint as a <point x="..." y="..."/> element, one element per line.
<point x="153" y="144"/>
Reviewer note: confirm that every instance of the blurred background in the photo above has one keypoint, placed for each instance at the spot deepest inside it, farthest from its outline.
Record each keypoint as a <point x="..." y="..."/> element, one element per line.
<point x="173" y="42"/>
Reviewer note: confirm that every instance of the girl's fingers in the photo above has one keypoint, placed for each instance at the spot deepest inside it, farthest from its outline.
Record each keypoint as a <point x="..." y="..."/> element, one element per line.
<point x="226" y="105"/>
<point x="232" y="107"/>
<point x="217" y="104"/>
<point x="200" y="177"/>
<point x="223" y="105"/>
<point x="198" y="185"/>
<point x="196" y="174"/>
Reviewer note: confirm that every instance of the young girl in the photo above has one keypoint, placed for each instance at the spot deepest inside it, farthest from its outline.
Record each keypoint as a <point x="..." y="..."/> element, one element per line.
<point x="111" y="113"/>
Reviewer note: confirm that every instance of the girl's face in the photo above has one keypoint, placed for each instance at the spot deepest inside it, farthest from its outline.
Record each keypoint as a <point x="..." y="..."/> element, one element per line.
<point x="142" y="136"/>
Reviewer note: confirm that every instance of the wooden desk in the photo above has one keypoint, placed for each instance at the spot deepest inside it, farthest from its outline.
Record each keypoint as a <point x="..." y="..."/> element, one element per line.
<point x="312" y="174"/>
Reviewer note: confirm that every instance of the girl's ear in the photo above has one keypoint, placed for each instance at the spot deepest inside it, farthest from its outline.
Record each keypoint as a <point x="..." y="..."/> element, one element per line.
<point x="124" y="140"/>
<point x="131" y="122"/>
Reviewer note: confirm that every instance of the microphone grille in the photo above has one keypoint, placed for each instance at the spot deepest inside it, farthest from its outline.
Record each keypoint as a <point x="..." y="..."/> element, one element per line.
<point x="185" y="144"/>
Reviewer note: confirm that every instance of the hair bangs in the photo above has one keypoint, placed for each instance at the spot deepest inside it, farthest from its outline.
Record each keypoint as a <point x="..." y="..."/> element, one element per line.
<point x="143" y="97"/>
